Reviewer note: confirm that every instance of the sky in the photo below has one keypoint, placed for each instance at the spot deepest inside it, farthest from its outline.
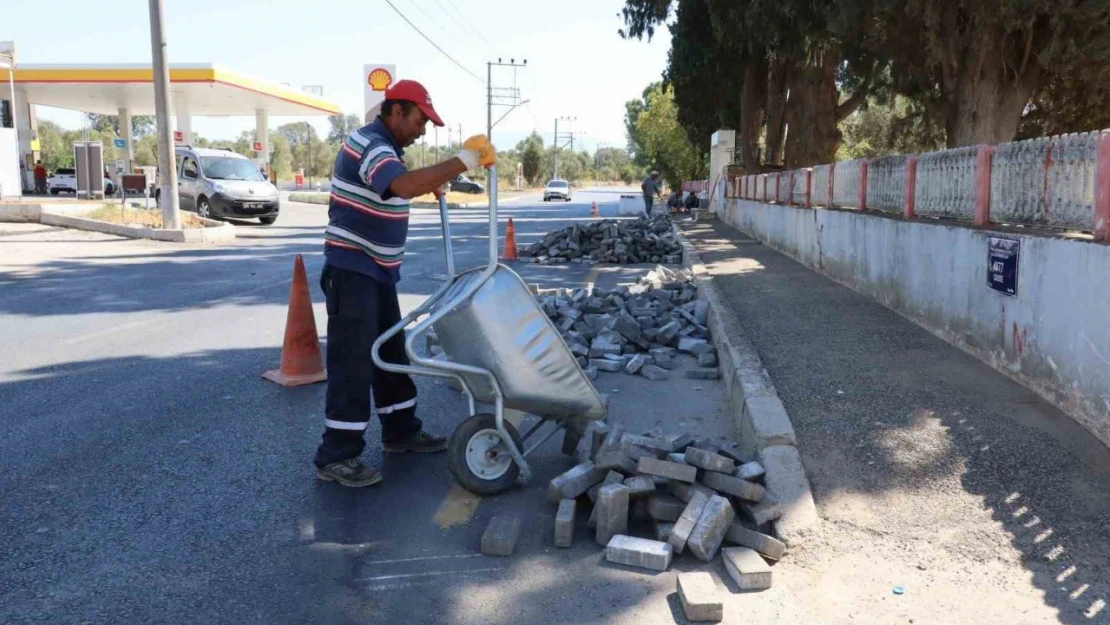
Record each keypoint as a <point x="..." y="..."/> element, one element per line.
<point x="578" y="66"/>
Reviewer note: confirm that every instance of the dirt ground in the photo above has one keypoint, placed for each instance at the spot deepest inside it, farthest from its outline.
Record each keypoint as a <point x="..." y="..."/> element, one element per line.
<point x="151" y="218"/>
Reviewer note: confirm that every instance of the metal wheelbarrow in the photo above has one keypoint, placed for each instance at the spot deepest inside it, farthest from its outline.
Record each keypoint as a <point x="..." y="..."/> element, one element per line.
<point x="500" y="346"/>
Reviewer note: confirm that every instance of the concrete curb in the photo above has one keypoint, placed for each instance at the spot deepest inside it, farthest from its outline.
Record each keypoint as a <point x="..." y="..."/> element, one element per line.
<point x="761" y="419"/>
<point x="69" y="216"/>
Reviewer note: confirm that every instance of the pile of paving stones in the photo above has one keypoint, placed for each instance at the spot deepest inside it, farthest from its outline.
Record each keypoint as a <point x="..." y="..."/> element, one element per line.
<point x="653" y="498"/>
<point x="609" y="241"/>
<point x="638" y="329"/>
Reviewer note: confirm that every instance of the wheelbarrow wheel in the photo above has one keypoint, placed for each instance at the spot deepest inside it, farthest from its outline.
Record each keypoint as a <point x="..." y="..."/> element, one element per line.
<point x="479" y="459"/>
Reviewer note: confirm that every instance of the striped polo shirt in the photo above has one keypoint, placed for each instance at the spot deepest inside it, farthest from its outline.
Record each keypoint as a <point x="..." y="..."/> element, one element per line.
<point x="367" y="225"/>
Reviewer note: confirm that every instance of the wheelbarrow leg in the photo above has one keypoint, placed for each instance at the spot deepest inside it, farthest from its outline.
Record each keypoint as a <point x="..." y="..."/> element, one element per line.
<point x="518" y="458"/>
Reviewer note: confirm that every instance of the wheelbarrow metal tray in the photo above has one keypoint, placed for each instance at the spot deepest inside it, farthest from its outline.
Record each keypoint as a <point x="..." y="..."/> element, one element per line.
<point x="503" y="329"/>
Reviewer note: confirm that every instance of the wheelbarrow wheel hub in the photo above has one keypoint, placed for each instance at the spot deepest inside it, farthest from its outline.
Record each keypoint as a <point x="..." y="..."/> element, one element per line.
<point x="487" y="456"/>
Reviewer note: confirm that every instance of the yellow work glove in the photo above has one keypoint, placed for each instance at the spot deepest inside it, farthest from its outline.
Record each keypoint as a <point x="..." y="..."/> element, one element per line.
<point x="477" y="152"/>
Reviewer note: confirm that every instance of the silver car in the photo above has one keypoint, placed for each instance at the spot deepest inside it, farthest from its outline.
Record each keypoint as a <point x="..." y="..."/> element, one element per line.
<point x="220" y="183"/>
<point x="556" y="189"/>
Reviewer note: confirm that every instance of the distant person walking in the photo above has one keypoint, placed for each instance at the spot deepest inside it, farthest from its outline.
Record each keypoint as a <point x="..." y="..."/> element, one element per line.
<point x="650" y="187"/>
<point x="40" y="178"/>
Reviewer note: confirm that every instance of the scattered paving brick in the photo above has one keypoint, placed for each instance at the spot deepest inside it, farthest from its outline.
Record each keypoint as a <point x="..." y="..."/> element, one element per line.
<point x="710" y="530"/>
<point x="763" y="512"/>
<point x="702" y="374"/>
<point x="604" y="364"/>
<point x="705" y="359"/>
<point x="747" y="568"/>
<point x="610" y="478"/>
<point x="662" y="530"/>
<point x="575" y="482"/>
<point x="686" y="522"/>
<point x="501" y="535"/>
<point x="708" y="460"/>
<point x="663" y="507"/>
<point x="609" y="241"/>
<point x="640" y="486"/>
<point x="750" y="471"/>
<point x="564" y="523"/>
<point x="699" y="596"/>
<point x="617" y="459"/>
<point x="612" y="512"/>
<point x="743" y="489"/>
<point x="767" y="546"/>
<point x="641" y="552"/>
<point x="670" y="470"/>
<point x="654" y="373"/>
<point x="685" y="492"/>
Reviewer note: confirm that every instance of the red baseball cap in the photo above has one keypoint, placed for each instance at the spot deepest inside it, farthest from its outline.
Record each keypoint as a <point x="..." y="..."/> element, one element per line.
<point x="414" y="92"/>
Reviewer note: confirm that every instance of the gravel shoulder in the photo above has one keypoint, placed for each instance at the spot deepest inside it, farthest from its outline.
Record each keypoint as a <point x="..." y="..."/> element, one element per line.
<point x="931" y="471"/>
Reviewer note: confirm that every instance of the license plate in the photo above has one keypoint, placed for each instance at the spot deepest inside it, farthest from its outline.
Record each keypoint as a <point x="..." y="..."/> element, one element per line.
<point x="252" y="204"/>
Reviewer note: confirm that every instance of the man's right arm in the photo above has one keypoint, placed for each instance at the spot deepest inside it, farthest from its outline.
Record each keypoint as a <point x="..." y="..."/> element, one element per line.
<point x="426" y="179"/>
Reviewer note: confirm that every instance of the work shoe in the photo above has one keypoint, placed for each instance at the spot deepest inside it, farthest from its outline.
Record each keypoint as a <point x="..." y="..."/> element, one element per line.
<point x="421" y="442"/>
<point x="350" y="472"/>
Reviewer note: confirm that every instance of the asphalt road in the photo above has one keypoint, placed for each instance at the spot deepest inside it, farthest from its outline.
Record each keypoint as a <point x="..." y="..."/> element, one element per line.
<point x="151" y="476"/>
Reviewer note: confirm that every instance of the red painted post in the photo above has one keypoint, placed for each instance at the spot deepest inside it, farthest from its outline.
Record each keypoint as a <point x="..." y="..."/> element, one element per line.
<point x="909" y="196"/>
<point x="832" y="175"/>
<point x="983" y="185"/>
<point x="809" y="182"/>
<point x="1101" y="224"/>
<point x="862" y="184"/>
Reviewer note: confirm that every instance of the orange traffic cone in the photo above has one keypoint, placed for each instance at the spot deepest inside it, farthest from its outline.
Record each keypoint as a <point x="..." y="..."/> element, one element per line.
<point x="301" y="361"/>
<point x="593" y="210"/>
<point x="510" y="242"/>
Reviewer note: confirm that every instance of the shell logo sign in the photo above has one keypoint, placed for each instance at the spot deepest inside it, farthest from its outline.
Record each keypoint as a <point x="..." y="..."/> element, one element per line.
<point x="379" y="79"/>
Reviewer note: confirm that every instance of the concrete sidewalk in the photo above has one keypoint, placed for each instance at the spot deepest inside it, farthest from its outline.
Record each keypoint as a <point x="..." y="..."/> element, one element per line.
<point x="931" y="471"/>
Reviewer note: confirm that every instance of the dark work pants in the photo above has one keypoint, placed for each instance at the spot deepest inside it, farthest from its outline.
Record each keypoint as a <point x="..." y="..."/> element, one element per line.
<point x="360" y="309"/>
<point x="648" y="201"/>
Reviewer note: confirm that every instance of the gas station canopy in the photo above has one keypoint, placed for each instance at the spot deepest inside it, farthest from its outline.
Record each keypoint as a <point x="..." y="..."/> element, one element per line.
<point x="209" y="90"/>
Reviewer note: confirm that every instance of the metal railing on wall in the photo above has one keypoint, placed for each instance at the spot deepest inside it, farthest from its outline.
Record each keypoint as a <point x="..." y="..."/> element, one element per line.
<point x="1055" y="182"/>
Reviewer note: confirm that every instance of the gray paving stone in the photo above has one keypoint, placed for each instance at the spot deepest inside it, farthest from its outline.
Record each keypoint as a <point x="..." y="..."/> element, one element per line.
<point x="692" y="346"/>
<point x="743" y="489"/>
<point x="702" y="374"/>
<point x="764" y="423"/>
<point x="636" y="363"/>
<point x="707" y="359"/>
<point x="617" y="459"/>
<point x="501" y="535"/>
<point x="711" y="527"/>
<point x="604" y="364"/>
<point x="768" y="546"/>
<point x="686" y="522"/>
<point x="750" y="471"/>
<point x="612" y="477"/>
<point x="638" y="510"/>
<point x="685" y="492"/>
<point x="670" y="470"/>
<point x="681" y="442"/>
<point x="575" y="482"/>
<point x="677" y="458"/>
<point x="641" y="552"/>
<point x="658" y="445"/>
<point x="763" y="512"/>
<point x="709" y="460"/>
<point x="612" y="512"/>
<point x="654" y="372"/>
<point x="662" y="530"/>
<point x="640" y="486"/>
<point x="747" y="568"/>
<point x="664" y="507"/>
<point x="564" y="523"/>
<point x="701" y="601"/>
<point x="787" y="483"/>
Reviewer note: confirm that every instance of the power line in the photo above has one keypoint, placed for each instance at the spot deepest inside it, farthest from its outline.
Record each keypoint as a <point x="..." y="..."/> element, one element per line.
<point x="457" y="22"/>
<point x="476" y="31"/>
<point x="434" y="44"/>
<point x="436" y="24"/>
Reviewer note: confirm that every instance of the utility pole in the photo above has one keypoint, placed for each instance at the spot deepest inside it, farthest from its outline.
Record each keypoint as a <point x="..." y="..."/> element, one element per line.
<point x="500" y="96"/>
<point x="308" y="143"/>
<point x="171" y="217"/>
<point x="565" y="135"/>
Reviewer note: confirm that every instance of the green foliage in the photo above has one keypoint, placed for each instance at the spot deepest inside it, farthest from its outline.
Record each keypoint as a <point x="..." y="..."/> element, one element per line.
<point x="898" y="126"/>
<point x="341" y="126"/>
<point x="531" y="157"/>
<point x="281" y="155"/>
<point x="663" y="143"/>
<point x="141" y="125"/>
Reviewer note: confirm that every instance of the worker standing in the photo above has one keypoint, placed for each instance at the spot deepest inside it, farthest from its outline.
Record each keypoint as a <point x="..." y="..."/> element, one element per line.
<point x="368" y="220"/>
<point x="40" y="178"/>
<point x="650" y="188"/>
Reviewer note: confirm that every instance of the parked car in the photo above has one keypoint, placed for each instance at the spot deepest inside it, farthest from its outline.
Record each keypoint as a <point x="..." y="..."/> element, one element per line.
<point x="65" y="180"/>
<point x="556" y="189"/>
<point x="220" y="183"/>
<point x="463" y="184"/>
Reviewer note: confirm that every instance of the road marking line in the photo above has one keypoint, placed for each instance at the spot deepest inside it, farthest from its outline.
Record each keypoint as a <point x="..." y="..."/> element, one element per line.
<point x="465" y="555"/>
<point x="457" y="508"/>
<point x="431" y="574"/>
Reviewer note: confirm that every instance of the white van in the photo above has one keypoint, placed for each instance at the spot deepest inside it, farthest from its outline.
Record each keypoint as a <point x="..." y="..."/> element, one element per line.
<point x="220" y="183"/>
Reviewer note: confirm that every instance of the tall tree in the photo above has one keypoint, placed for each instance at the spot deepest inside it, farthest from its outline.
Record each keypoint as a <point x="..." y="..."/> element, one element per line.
<point x="531" y="157"/>
<point x="664" y="143"/>
<point x="341" y="126"/>
<point x="141" y="125"/>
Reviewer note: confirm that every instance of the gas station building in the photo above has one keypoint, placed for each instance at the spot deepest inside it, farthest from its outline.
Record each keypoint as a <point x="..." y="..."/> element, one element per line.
<point x="127" y="90"/>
